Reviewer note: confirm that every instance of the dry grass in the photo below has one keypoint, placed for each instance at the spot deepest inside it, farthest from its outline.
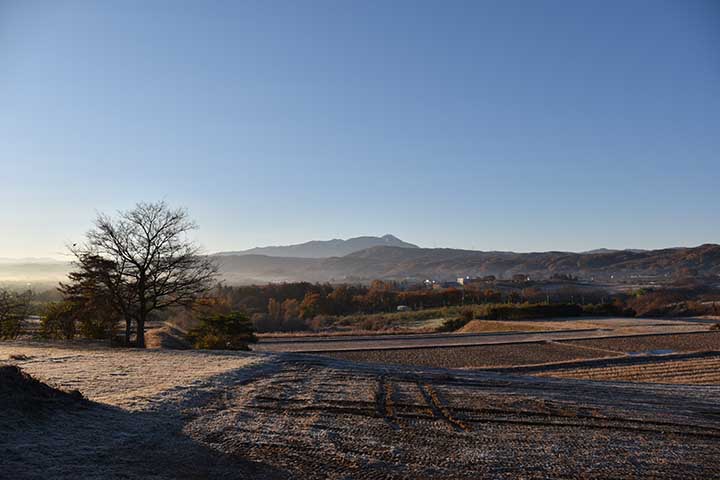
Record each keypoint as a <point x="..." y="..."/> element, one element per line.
<point x="620" y="325"/>
<point x="168" y="337"/>
<point x="486" y="326"/>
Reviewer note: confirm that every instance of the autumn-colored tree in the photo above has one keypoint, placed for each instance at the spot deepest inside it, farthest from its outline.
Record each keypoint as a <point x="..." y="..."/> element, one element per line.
<point x="291" y="315"/>
<point x="452" y="296"/>
<point x="290" y="309"/>
<point x="274" y="310"/>
<point x="513" y="297"/>
<point x="531" y="294"/>
<point x="340" y="300"/>
<point x="379" y="297"/>
<point x="310" y="305"/>
<point x="491" y="296"/>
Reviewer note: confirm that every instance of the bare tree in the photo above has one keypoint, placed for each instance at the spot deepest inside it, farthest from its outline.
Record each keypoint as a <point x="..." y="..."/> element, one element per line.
<point x="145" y="262"/>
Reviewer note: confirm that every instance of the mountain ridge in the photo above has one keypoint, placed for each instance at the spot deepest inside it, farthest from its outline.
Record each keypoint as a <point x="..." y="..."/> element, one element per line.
<point x="335" y="247"/>
<point x="394" y="263"/>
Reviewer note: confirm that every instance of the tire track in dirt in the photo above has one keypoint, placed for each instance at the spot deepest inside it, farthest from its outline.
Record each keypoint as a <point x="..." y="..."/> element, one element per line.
<point x="440" y="409"/>
<point x="384" y="403"/>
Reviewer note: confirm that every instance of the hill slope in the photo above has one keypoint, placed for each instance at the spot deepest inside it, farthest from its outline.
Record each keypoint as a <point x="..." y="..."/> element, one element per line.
<point x="446" y="264"/>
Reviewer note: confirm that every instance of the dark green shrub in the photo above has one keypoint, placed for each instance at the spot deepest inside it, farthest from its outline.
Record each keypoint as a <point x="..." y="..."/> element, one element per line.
<point x="98" y="327"/>
<point x="453" y="324"/>
<point x="11" y="327"/>
<point x="529" y="311"/>
<point x="67" y="319"/>
<point x="59" y="321"/>
<point x="608" y="309"/>
<point x="232" y="331"/>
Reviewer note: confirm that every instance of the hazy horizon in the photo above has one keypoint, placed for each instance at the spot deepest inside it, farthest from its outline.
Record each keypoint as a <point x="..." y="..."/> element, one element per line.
<point x="565" y="126"/>
<point x="66" y="256"/>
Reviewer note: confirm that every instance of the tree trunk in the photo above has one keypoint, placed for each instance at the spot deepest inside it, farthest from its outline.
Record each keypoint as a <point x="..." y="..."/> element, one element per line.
<point x="128" y="326"/>
<point x="140" y="335"/>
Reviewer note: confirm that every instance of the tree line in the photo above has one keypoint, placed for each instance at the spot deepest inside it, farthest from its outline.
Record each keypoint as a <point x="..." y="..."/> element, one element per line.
<point x="303" y="305"/>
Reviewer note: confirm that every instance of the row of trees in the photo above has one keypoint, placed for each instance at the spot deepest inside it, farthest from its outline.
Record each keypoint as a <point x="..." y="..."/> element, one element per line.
<point x="301" y="305"/>
<point x="307" y="299"/>
<point x="290" y="306"/>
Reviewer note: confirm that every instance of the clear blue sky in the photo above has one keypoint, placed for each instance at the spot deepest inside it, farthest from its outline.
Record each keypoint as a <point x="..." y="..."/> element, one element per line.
<point x="513" y="125"/>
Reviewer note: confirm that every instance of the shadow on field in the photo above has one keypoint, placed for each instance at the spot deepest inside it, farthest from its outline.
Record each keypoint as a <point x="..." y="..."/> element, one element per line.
<point x="56" y="437"/>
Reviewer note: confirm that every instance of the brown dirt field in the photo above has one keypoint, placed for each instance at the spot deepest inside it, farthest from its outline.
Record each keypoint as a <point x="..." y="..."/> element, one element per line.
<point x="697" y="371"/>
<point x="476" y="356"/>
<point x="693" y="342"/>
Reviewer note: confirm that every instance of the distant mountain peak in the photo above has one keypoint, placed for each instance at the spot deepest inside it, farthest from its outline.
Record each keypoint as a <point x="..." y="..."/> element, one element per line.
<point x="389" y="237"/>
<point x="335" y="247"/>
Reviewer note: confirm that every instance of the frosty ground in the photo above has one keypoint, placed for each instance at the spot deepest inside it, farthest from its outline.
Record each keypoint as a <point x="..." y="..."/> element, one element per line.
<point x="185" y="414"/>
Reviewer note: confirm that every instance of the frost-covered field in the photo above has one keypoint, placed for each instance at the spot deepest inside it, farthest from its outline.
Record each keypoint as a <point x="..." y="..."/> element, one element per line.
<point x="171" y="414"/>
<point x="135" y="428"/>
<point x="133" y="379"/>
